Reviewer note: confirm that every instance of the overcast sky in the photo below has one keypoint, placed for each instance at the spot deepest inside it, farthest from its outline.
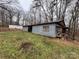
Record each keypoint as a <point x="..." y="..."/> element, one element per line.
<point x="25" y="4"/>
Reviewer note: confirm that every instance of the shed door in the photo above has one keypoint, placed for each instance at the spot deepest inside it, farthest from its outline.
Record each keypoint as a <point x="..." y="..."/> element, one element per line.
<point x="30" y="29"/>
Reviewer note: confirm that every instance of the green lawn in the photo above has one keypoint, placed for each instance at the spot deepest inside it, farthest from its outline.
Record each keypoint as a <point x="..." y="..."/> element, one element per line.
<point x="24" y="45"/>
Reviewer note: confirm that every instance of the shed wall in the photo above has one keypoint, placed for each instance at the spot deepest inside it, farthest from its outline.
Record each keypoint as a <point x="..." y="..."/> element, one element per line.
<point x="50" y="33"/>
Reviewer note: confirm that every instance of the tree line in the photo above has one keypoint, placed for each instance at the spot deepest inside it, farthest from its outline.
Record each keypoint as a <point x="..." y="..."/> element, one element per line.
<point x="9" y="10"/>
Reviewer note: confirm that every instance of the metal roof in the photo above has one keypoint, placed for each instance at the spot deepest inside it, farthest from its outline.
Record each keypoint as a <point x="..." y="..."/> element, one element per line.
<point x="60" y="23"/>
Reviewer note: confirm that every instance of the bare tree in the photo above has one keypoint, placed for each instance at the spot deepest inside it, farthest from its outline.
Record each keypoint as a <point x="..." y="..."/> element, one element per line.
<point x="10" y="10"/>
<point x="73" y="25"/>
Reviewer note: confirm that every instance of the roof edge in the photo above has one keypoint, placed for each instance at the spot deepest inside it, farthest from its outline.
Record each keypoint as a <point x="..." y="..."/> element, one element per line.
<point x="42" y="24"/>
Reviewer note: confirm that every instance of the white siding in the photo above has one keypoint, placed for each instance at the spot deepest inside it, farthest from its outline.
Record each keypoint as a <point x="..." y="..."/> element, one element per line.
<point x="50" y="33"/>
<point x="15" y="27"/>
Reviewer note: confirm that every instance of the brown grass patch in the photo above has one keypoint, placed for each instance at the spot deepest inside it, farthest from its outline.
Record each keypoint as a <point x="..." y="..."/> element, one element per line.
<point x="63" y="42"/>
<point x="6" y="29"/>
<point x="26" y="46"/>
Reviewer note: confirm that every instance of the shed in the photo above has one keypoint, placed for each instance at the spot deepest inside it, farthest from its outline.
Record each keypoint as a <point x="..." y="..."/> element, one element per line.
<point x="51" y="29"/>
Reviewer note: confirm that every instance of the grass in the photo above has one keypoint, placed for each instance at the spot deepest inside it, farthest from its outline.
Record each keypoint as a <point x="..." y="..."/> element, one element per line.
<point x="24" y="45"/>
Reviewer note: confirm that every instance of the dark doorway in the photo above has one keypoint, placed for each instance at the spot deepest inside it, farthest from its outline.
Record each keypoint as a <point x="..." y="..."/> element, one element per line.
<point x="30" y="29"/>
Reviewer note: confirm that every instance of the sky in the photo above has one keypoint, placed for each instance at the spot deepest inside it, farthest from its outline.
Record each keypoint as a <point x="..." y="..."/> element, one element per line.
<point x="25" y="4"/>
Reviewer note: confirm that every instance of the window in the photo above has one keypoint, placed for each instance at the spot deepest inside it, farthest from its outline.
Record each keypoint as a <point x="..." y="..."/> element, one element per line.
<point x="46" y="28"/>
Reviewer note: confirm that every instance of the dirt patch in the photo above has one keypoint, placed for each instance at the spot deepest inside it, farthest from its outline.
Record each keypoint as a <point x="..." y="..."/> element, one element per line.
<point x="26" y="46"/>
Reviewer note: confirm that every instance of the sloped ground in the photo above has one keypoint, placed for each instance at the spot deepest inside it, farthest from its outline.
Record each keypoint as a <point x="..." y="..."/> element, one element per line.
<point x="24" y="45"/>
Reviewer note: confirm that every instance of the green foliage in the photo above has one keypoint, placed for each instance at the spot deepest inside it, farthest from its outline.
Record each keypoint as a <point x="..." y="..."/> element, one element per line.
<point x="10" y="43"/>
